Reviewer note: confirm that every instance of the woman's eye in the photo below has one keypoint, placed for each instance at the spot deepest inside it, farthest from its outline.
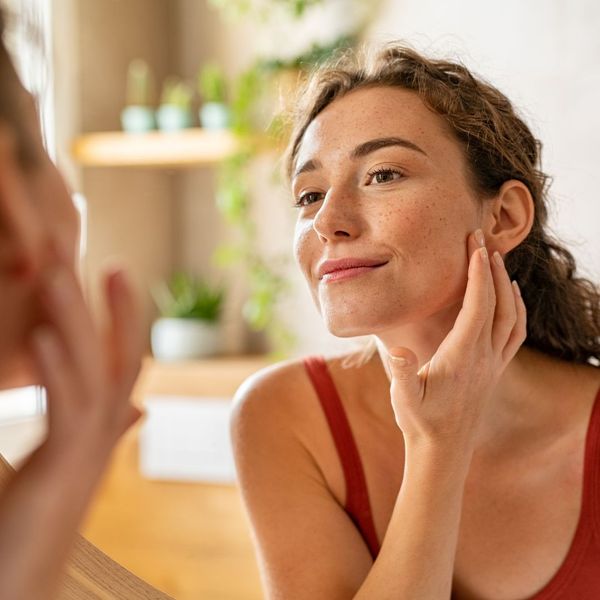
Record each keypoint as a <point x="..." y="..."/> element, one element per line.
<point x="384" y="176"/>
<point x="308" y="198"/>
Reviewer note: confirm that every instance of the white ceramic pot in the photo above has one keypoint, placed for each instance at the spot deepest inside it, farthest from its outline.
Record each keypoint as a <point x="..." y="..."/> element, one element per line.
<point x="183" y="339"/>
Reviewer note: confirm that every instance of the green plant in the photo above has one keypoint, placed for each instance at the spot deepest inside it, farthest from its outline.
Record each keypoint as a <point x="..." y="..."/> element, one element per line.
<point x="139" y="83"/>
<point x="234" y="200"/>
<point x="262" y="9"/>
<point x="176" y="92"/>
<point x="315" y="55"/>
<point x="212" y="84"/>
<point x="187" y="297"/>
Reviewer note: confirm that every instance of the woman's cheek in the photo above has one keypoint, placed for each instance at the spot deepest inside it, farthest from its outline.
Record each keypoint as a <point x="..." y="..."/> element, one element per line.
<point x="302" y="246"/>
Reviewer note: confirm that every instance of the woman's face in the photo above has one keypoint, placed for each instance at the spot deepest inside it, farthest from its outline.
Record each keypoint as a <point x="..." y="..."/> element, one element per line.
<point x="40" y="192"/>
<point x="380" y="180"/>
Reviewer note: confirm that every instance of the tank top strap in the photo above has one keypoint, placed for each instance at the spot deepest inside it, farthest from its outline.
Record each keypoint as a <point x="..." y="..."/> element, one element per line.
<point x="592" y="467"/>
<point x="357" y="503"/>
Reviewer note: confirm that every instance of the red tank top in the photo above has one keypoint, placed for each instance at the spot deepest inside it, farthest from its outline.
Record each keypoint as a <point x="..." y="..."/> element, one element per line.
<point x="578" y="578"/>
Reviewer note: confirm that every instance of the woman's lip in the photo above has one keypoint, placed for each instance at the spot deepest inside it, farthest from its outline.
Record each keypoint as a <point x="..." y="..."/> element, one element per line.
<point x="343" y="274"/>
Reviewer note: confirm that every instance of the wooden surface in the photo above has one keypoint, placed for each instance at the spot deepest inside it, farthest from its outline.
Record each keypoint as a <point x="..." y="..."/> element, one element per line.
<point x="190" y="540"/>
<point x="189" y="147"/>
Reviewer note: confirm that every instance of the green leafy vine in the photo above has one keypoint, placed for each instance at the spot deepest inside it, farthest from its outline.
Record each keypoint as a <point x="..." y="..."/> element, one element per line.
<point x="234" y="199"/>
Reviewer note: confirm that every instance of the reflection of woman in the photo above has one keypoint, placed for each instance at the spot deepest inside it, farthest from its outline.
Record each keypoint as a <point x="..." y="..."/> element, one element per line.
<point x="413" y="180"/>
<point x="47" y="337"/>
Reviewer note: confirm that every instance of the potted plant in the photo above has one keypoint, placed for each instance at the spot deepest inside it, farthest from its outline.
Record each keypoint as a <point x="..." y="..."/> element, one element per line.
<point x="138" y="116"/>
<point x="214" y="112"/>
<point x="189" y="323"/>
<point x="175" y="110"/>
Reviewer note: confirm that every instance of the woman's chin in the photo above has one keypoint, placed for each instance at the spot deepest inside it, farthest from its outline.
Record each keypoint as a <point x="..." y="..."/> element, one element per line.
<point x="347" y="328"/>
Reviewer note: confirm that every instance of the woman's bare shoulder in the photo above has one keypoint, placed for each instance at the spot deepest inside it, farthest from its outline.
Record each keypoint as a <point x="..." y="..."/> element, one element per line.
<point x="275" y="422"/>
<point x="280" y="395"/>
<point x="271" y="388"/>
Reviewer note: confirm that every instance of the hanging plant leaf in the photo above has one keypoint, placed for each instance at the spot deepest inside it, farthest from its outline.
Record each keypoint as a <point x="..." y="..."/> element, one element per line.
<point x="227" y="255"/>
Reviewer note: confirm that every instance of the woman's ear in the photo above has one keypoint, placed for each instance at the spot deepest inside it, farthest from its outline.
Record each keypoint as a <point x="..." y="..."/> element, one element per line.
<point x="21" y="231"/>
<point x="509" y="217"/>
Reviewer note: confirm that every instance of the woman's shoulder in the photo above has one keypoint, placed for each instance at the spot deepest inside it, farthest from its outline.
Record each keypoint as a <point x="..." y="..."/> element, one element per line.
<point x="271" y="387"/>
<point x="282" y="395"/>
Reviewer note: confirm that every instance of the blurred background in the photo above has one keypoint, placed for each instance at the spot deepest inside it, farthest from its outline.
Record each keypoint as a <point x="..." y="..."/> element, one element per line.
<point x="166" y="118"/>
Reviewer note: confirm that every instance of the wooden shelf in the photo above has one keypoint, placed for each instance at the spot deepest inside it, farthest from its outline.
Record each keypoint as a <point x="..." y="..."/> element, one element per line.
<point x="187" y="148"/>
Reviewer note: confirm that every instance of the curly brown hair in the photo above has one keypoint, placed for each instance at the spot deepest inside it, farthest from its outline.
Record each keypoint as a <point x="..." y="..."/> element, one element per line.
<point x="563" y="309"/>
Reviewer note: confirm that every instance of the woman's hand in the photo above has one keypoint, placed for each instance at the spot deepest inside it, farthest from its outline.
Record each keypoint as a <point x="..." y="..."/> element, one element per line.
<point x="88" y="376"/>
<point x="442" y="402"/>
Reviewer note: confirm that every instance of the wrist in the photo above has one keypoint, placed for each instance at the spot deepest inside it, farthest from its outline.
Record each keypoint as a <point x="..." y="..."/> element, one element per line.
<point x="81" y="457"/>
<point x="428" y="455"/>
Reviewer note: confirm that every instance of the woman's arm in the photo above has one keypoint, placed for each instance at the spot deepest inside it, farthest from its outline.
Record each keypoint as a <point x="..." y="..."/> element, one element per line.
<point x="88" y="379"/>
<point x="416" y="560"/>
<point x="307" y="545"/>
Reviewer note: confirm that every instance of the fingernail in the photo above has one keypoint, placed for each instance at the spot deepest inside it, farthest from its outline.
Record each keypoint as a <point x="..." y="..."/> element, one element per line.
<point x="516" y="288"/>
<point x="498" y="259"/>
<point x="116" y="276"/>
<point x="117" y="281"/>
<point x="399" y="360"/>
<point x="484" y="254"/>
<point x="480" y="237"/>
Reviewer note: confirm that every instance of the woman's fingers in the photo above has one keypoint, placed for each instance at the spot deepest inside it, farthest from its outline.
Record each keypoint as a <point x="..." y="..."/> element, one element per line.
<point x="125" y="335"/>
<point x="404" y="368"/>
<point x="73" y="324"/>
<point x="519" y="331"/>
<point x="505" y="315"/>
<point x="134" y="414"/>
<point x="479" y="299"/>
<point x="52" y="365"/>
<point x="503" y="325"/>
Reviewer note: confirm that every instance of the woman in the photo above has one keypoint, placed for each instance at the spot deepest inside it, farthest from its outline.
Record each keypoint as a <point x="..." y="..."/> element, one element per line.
<point x="462" y="457"/>
<point x="48" y="338"/>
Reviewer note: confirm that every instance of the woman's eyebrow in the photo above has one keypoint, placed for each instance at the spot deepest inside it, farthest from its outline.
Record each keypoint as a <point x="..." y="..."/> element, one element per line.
<point x="362" y="150"/>
<point x="309" y="165"/>
<point x="372" y="145"/>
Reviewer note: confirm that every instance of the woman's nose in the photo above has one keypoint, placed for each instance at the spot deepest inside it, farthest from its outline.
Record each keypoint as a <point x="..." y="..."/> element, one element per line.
<point x="338" y="217"/>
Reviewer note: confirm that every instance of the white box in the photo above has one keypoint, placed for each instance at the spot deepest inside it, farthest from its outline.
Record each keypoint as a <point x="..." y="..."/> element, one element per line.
<point x="186" y="438"/>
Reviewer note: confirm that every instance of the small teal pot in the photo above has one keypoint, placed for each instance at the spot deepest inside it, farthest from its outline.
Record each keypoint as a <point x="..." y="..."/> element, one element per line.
<point x="215" y="115"/>
<point x="137" y="119"/>
<point x="173" y="118"/>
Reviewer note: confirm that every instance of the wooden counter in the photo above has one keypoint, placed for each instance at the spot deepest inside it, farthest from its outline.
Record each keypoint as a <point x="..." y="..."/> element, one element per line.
<point x="190" y="540"/>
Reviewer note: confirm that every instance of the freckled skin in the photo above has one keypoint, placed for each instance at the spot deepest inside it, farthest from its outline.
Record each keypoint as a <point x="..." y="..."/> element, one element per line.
<point x="419" y="221"/>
